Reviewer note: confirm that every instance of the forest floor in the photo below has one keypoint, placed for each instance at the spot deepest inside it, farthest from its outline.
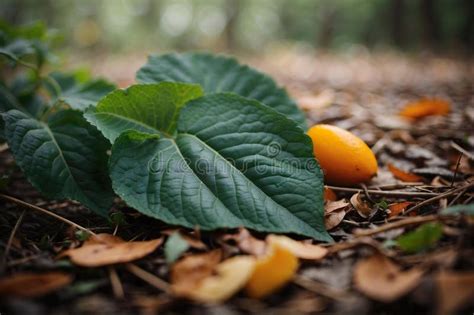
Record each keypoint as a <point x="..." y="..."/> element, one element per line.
<point x="425" y="166"/>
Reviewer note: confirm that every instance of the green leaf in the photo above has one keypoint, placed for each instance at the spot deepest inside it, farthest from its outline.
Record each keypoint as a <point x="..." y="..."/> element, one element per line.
<point x="220" y="74"/>
<point x="459" y="209"/>
<point x="233" y="162"/>
<point x="421" y="239"/>
<point x="151" y="108"/>
<point x="79" y="95"/>
<point x="175" y="246"/>
<point x="64" y="158"/>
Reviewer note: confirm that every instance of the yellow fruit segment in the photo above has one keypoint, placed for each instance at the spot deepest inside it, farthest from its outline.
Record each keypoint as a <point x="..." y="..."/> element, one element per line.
<point x="272" y="272"/>
<point x="345" y="159"/>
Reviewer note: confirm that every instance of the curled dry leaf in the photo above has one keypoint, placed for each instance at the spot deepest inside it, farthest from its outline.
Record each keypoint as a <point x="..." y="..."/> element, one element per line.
<point x="362" y="207"/>
<point x="30" y="285"/>
<point x="247" y="243"/>
<point x="298" y="248"/>
<point x="402" y="175"/>
<point x="229" y="277"/>
<point x="187" y="273"/>
<point x="106" y="249"/>
<point x="382" y="280"/>
<point x="334" y="213"/>
<point x="397" y="208"/>
<point x="455" y="290"/>
<point x="272" y="271"/>
<point x="425" y="107"/>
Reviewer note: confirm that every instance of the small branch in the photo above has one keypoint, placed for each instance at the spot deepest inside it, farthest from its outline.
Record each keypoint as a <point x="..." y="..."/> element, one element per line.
<point x="148" y="277"/>
<point x="458" y="148"/>
<point x="117" y="287"/>
<point x="10" y="241"/>
<point x="440" y="196"/>
<point x="391" y="193"/>
<point x="52" y="214"/>
<point x="395" y="225"/>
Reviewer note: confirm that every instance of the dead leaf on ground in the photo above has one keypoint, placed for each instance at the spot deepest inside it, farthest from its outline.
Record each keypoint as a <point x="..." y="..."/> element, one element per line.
<point x="314" y="102"/>
<point x="272" y="271"/>
<point x="30" y="285"/>
<point x="397" y="208"/>
<point x="106" y="249"/>
<point x="228" y="278"/>
<point x="190" y="270"/>
<point x="455" y="290"/>
<point x="402" y="175"/>
<point x="381" y="279"/>
<point x="425" y="107"/>
<point x="362" y="207"/>
<point x="247" y="243"/>
<point x="334" y="213"/>
<point x="298" y="248"/>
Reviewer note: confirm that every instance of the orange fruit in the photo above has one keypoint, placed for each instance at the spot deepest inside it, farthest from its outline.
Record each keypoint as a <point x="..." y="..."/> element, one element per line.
<point x="345" y="159"/>
<point x="425" y="107"/>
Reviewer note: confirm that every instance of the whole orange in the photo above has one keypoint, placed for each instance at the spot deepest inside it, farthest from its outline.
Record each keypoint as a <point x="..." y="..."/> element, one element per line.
<point x="345" y="159"/>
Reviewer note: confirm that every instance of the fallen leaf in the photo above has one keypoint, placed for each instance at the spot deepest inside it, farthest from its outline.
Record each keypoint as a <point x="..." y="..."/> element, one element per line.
<point x="247" y="243"/>
<point x="229" y="277"/>
<point x="459" y="209"/>
<point x="382" y="280"/>
<point x="402" y="175"/>
<point x="192" y="238"/>
<point x="30" y="285"/>
<point x="175" y="246"/>
<point x="106" y="249"/>
<point x="425" y="107"/>
<point x="329" y="194"/>
<point x="298" y="248"/>
<point x="397" y="208"/>
<point x="334" y="213"/>
<point x="362" y="208"/>
<point x="320" y="101"/>
<point x="272" y="271"/>
<point x="422" y="238"/>
<point x="454" y="290"/>
<point x="190" y="270"/>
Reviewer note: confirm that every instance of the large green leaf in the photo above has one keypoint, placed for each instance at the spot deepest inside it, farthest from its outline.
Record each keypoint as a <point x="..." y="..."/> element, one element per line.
<point x="220" y="74"/>
<point x="78" y="95"/>
<point x="232" y="162"/>
<point x="63" y="158"/>
<point x="150" y="108"/>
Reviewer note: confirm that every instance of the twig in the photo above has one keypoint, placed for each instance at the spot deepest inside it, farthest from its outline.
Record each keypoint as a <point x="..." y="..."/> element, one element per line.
<point x="54" y="215"/>
<point x="457" y="169"/>
<point x="392" y="193"/>
<point x="318" y="288"/>
<point x="149" y="278"/>
<point x="10" y="241"/>
<point x="395" y="225"/>
<point x="457" y="147"/>
<point x="117" y="287"/>
<point x="440" y="196"/>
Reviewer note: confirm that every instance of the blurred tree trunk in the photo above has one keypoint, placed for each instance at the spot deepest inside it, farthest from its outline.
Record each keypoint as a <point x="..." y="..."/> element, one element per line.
<point x="398" y="23"/>
<point x="326" y="28"/>
<point x="431" y="34"/>
<point x="232" y="8"/>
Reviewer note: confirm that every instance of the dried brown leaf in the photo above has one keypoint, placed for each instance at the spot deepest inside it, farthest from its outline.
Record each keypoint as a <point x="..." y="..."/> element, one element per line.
<point x="298" y="248"/>
<point x="362" y="207"/>
<point x="455" y="290"/>
<point x="382" y="280"/>
<point x="31" y="285"/>
<point x="247" y="243"/>
<point x="106" y="249"/>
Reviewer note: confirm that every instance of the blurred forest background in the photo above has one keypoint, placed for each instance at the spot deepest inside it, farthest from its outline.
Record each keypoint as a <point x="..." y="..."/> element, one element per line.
<point x="249" y="26"/>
